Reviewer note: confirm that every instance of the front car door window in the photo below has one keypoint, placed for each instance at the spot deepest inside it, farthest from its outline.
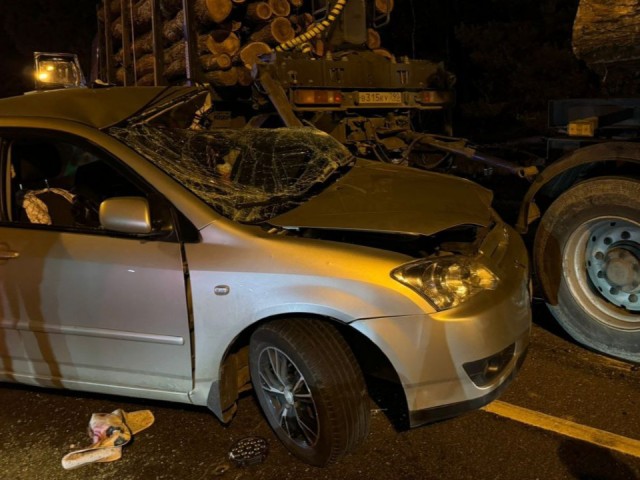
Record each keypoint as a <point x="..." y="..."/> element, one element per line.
<point x="59" y="183"/>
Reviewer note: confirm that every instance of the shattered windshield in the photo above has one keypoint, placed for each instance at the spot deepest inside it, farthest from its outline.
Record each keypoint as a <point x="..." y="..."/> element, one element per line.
<point x="247" y="175"/>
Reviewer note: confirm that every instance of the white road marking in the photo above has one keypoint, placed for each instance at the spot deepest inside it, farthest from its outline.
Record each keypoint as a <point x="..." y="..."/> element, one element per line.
<point x="564" y="427"/>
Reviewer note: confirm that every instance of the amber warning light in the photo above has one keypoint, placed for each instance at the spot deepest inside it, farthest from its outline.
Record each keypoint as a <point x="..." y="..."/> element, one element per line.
<point x="318" y="97"/>
<point x="57" y="70"/>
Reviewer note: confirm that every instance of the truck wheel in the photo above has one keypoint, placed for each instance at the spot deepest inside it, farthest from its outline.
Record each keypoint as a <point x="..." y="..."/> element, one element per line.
<point x="587" y="258"/>
<point x="310" y="388"/>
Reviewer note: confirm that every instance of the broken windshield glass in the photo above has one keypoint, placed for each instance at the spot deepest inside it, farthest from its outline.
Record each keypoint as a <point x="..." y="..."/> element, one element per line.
<point x="247" y="175"/>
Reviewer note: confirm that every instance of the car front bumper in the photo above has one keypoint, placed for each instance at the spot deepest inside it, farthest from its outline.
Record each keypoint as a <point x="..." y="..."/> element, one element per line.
<point x="432" y="372"/>
<point x="419" y="417"/>
<point x="460" y="359"/>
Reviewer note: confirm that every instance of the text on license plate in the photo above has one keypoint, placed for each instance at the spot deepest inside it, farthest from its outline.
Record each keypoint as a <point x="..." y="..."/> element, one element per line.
<point x="379" y="97"/>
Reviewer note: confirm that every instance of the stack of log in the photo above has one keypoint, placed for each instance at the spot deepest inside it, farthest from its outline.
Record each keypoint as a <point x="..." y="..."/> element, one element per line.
<point x="606" y="34"/>
<point x="230" y="36"/>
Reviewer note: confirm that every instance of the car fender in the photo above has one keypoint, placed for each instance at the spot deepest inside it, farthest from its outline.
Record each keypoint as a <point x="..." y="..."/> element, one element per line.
<point x="335" y="299"/>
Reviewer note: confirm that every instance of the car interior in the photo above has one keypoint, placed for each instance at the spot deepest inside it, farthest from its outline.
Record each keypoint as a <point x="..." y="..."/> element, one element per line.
<point x="60" y="184"/>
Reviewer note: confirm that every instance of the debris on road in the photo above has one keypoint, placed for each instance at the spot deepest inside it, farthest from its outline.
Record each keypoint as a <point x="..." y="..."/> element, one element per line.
<point x="249" y="451"/>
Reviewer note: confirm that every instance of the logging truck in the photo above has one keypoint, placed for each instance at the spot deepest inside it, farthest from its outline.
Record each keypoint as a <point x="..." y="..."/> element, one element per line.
<point x="321" y="63"/>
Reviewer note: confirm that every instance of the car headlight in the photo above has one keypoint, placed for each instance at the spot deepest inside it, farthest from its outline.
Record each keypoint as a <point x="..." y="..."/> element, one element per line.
<point x="447" y="281"/>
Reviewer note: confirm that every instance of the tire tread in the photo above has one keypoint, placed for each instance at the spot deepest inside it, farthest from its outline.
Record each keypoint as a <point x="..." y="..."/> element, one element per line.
<point x="322" y="349"/>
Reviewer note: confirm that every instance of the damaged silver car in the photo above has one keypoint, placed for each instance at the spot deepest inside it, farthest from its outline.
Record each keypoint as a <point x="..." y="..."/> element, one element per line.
<point x="142" y="258"/>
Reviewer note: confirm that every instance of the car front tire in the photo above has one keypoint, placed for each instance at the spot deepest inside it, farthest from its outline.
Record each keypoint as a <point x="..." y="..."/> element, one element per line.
<point x="310" y="388"/>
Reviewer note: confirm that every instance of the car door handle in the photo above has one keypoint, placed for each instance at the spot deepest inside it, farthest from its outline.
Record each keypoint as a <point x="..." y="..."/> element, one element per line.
<point x="8" y="255"/>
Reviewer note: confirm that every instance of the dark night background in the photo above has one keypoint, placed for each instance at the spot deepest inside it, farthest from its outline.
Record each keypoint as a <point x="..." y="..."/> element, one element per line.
<point x="510" y="56"/>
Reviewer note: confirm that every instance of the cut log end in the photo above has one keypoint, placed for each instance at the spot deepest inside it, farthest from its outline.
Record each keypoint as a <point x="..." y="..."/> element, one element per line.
<point x="278" y="31"/>
<point x="222" y="41"/>
<point x="280" y="8"/>
<point x="259" y="12"/>
<point x="212" y="63"/>
<point x="252" y="52"/>
<point x="219" y="10"/>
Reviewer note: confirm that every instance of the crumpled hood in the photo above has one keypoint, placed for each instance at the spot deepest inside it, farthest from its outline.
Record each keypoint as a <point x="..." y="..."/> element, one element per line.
<point x="378" y="197"/>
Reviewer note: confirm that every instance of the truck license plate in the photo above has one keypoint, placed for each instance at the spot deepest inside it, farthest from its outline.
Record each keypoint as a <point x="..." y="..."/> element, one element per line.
<point x="367" y="98"/>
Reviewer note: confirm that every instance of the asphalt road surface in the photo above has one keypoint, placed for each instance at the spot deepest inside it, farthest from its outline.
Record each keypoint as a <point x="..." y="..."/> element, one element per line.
<point x="562" y="390"/>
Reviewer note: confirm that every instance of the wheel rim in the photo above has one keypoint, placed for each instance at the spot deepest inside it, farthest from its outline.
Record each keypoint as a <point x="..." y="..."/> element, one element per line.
<point x="288" y="397"/>
<point x="601" y="265"/>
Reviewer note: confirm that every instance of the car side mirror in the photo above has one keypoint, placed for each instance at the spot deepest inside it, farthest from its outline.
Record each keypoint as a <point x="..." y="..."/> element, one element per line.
<point x="126" y="215"/>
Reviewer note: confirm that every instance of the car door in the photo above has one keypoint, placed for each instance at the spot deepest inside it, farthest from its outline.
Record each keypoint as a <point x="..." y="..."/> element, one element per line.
<point x="81" y="307"/>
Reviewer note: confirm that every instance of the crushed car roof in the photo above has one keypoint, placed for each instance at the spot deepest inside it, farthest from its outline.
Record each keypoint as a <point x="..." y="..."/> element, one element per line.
<point x="99" y="108"/>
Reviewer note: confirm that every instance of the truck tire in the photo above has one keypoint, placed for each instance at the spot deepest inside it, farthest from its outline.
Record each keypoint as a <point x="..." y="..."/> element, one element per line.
<point x="310" y="388"/>
<point x="587" y="259"/>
